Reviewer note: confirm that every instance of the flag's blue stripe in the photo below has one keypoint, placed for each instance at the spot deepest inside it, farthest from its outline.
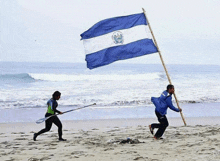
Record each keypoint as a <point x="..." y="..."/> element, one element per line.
<point x="109" y="55"/>
<point x="113" y="24"/>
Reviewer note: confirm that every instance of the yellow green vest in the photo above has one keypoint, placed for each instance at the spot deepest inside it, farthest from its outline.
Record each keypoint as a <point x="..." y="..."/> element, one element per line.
<point x="49" y="110"/>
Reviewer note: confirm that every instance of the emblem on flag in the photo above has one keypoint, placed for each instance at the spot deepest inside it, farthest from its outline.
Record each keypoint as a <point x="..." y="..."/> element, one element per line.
<point x="118" y="37"/>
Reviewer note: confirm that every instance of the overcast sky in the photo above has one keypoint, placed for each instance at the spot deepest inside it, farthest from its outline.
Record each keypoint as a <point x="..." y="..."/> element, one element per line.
<point x="187" y="31"/>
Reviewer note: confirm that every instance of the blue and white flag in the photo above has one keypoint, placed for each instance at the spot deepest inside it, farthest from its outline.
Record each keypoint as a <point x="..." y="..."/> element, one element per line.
<point x="117" y="39"/>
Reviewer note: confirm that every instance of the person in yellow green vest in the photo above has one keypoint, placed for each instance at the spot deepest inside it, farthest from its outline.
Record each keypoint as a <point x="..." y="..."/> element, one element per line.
<point x="51" y="110"/>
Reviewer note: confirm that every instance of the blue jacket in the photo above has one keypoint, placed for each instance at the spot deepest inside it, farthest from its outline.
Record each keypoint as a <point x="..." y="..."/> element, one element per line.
<point x="163" y="102"/>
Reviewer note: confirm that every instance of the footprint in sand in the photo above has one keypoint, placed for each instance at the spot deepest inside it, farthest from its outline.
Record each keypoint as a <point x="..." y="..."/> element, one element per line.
<point x="108" y="149"/>
<point x="14" y="133"/>
<point x="69" y="145"/>
<point x="45" y="158"/>
<point x="33" y="148"/>
<point x="33" y="159"/>
<point x="138" y="158"/>
<point x="51" y="148"/>
<point x="78" y="153"/>
<point x="17" y="133"/>
<point x="53" y="144"/>
<point x="113" y="130"/>
<point x="95" y="129"/>
<point x="31" y="143"/>
<point x="11" y="159"/>
<point x="21" y="139"/>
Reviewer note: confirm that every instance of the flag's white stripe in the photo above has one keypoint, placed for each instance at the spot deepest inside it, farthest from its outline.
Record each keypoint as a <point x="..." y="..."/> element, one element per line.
<point x="105" y="41"/>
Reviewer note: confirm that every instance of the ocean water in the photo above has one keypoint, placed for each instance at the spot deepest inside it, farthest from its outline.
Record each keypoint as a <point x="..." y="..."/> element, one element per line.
<point x="28" y="86"/>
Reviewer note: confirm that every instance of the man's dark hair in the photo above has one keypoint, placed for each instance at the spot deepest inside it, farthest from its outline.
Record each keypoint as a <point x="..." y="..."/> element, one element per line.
<point x="170" y="86"/>
<point x="56" y="94"/>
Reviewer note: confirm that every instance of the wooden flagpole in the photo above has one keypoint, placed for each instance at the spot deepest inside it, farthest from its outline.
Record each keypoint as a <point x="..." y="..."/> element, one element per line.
<point x="161" y="58"/>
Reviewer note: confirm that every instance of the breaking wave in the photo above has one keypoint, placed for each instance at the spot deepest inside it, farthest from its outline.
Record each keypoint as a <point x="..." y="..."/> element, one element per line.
<point x="16" y="78"/>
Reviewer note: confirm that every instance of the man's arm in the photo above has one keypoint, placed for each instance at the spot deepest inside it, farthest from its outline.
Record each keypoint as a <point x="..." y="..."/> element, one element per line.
<point x="170" y="104"/>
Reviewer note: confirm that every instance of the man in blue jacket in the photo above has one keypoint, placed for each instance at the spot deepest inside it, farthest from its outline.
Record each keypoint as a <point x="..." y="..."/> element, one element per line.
<point x="162" y="103"/>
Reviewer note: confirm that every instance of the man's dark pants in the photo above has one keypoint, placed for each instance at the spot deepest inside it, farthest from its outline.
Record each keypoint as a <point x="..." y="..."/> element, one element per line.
<point x="161" y="126"/>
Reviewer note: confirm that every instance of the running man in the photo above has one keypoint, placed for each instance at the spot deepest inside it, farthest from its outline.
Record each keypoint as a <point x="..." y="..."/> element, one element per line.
<point x="162" y="103"/>
<point x="51" y="110"/>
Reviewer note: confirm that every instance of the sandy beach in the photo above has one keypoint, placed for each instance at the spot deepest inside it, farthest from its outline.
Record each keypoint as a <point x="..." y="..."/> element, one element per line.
<point x="98" y="140"/>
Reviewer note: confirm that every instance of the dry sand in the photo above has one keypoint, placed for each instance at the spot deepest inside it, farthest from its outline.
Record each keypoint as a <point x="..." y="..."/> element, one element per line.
<point x="96" y="140"/>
